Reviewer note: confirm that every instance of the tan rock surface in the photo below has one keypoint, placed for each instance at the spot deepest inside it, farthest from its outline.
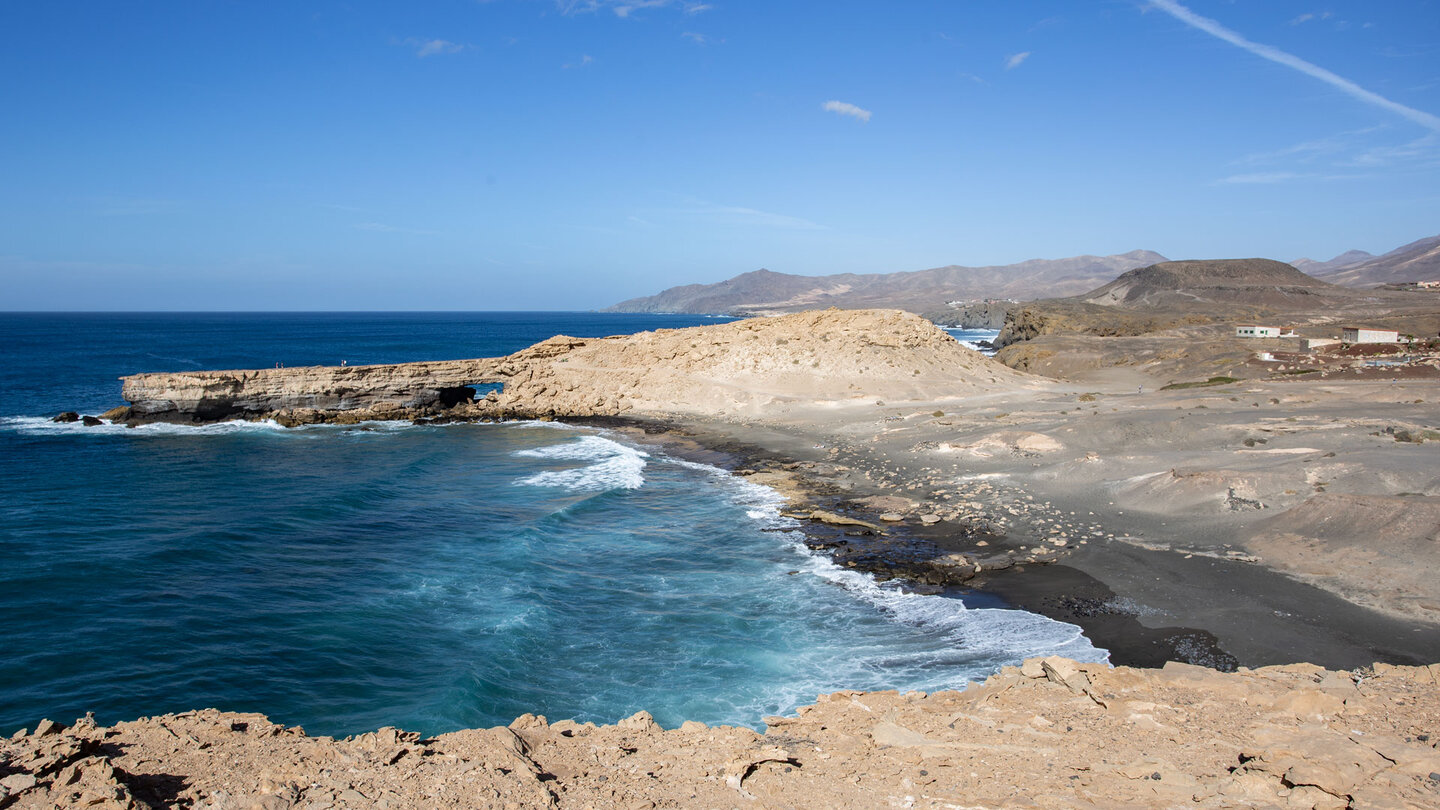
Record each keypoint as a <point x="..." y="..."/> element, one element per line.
<point x="1052" y="734"/>
<point x="739" y="370"/>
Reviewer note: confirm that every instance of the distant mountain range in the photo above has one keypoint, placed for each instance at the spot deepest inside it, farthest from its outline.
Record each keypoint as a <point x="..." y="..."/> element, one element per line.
<point x="1349" y="258"/>
<point x="763" y="292"/>
<point x="1417" y="261"/>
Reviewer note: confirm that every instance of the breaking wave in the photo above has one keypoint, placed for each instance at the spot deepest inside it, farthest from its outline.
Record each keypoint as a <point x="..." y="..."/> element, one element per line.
<point x="612" y="465"/>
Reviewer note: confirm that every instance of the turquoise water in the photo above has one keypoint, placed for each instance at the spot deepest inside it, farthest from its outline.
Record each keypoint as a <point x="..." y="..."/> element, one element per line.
<point x="344" y="578"/>
<point x="973" y="337"/>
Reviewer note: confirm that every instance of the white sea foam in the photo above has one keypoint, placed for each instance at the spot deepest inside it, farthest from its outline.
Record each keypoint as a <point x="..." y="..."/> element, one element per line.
<point x="40" y="426"/>
<point x="760" y="502"/>
<point x="986" y="633"/>
<point x="613" y="465"/>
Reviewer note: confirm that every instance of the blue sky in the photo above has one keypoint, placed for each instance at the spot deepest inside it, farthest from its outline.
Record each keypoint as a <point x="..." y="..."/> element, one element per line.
<point x="567" y="154"/>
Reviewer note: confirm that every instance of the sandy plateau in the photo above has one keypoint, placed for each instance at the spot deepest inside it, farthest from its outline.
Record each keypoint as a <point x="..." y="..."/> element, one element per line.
<point x="1266" y="521"/>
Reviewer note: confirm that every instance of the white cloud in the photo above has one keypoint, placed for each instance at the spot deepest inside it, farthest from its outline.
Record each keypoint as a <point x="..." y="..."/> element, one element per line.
<point x="136" y="206"/>
<point x="1422" y="153"/>
<point x="1259" y="178"/>
<point x="433" y="47"/>
<point x="1278" y="56"/>
<point x="585" y="59"/>
<point x="380" y="227"/>
<point x="699" y="39"/>
<point x="620" y="8"/>
<point x="1307" y="17"/>
<point x="1311" y="150"/>
<point x="1271" y="178"/>
<point x="1015" y="61"/>
<point x="738" y="215"/>
<point x="846" y="108"/>
<point x="693" y="208"/>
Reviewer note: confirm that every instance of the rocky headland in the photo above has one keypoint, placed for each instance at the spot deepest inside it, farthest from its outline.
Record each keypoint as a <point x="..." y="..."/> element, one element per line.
<point x="741" y="369"/>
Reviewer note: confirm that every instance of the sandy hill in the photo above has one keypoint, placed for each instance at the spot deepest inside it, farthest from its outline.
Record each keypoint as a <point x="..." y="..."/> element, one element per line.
<point x="756" y="366"/>
<point x="1417" y="261"/>
<point x="766" y="292"/>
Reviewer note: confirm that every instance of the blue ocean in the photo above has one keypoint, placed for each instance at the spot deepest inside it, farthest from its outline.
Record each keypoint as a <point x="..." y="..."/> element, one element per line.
<point x="427" y="577"/>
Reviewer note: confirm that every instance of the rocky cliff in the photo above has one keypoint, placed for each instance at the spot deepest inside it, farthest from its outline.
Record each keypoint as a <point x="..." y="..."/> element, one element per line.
<point x="979" y="315"/>
<point x="745" y="368"/>
<point x="1052" y="734"/>
<point x="206" y="396"/>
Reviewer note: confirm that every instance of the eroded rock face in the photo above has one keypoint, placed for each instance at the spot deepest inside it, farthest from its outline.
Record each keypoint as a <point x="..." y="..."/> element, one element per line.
<point x="1053" y="733"/>
<point x="734" y="369"/>
<point x="206" y="396"/>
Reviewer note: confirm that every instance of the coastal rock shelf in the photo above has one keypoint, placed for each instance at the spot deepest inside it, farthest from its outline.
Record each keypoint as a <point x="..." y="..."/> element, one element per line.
<point x="1051" y="733"/>
<point x="732" y="369"/>
<point x="207" y="396"/>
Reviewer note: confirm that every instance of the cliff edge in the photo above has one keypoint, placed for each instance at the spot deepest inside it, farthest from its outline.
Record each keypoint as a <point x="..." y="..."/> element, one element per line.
<point x="1053" y="734"/>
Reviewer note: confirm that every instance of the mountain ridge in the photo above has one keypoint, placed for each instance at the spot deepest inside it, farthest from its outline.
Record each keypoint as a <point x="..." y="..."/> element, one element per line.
<point x="765" y="292"/>
<point x="1416" y="261"/>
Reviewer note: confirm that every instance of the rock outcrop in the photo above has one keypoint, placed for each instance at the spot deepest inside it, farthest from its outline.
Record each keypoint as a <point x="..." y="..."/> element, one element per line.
<point x="734" y="369"/>
<point x="1053" y="733"/>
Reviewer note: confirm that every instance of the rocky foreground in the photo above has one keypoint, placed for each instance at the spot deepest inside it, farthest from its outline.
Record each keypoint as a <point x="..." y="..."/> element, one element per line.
<point x="1052" y="733"/>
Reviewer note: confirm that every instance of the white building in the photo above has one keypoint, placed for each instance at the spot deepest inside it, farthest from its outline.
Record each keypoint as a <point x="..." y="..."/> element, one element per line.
<point x="1357" y="334"/>
<point x="1250" y="330"/>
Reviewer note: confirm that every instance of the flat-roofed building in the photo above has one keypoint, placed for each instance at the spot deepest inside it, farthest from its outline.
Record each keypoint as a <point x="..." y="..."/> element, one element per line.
<point x="1251" y="330"/>
<point x="1359" y="334"/>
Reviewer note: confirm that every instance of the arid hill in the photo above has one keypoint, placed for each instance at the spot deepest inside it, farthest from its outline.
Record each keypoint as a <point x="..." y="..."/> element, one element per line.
<point x="763" y="292"/>
<point x="1185" y="293"/>
<point x="1186" y="284"/>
